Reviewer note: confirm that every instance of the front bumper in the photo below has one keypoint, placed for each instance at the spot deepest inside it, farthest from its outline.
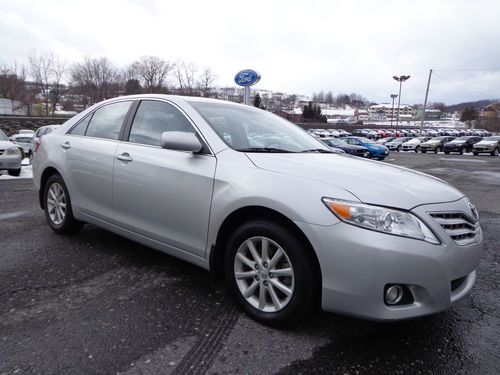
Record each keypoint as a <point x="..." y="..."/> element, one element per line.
<point x="356" y="264"/>
<point x="484" y="148"/>
<point x="10" y="162"/>
<point x="455" y="148"/>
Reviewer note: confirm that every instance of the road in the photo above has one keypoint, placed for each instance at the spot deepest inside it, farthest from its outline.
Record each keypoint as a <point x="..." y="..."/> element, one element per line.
<point x="95" y="303"/>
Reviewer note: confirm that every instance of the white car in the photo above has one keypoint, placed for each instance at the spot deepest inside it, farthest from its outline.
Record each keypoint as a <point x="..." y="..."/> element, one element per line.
<point x="23" y="140"/>
<point x="10" y="156"/>
<point x="414" y="144"/>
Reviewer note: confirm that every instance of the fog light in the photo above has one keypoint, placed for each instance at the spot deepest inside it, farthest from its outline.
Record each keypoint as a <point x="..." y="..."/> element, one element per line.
<point x="393" y="294"/>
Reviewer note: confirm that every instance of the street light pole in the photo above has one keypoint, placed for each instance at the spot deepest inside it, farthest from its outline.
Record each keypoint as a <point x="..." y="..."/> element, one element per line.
<point x="393" y="96"/>
<point x="400" y="79"/>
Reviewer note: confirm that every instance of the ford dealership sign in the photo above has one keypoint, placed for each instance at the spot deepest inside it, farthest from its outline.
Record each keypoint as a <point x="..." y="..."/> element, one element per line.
<point x="247" y="77"/>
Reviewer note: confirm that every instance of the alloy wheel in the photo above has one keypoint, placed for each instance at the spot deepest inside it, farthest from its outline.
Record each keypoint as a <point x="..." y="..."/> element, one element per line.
<point x="56" y="203"/>
<point x="264" y="274"/>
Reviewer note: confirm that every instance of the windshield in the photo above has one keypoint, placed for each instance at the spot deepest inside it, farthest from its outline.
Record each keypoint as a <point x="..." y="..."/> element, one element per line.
<point x="253" y="130"/>
<point x="3" y="137"/>
<point x="365" y="140"/>
<point x="492" y="139"/>
<point x="460" y="139"/>
<point x="334" y="142"/>
<point x="23" y="139"/>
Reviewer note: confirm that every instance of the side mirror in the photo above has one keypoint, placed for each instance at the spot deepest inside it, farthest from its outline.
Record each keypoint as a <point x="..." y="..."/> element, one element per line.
<point x="181" y="141"/>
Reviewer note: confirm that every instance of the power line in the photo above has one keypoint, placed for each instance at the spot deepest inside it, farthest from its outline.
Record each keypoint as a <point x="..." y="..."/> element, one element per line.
<point x="465" y="87"/>
<point x="467" y="70"/>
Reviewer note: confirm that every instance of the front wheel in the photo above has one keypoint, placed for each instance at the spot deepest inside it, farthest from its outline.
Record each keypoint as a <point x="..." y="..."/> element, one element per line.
<point x="417" y="149"/>
<point x="270" y="273"/>
<point x="15" y="172"/>
<point x="495" y="152"/>
<point x="57" y="205"/>
<point x="437" y="149"/>
<point x="398" y="149"/>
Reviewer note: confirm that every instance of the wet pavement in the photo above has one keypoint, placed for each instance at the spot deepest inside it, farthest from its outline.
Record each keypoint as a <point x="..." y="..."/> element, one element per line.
<point x="96" y="303"/>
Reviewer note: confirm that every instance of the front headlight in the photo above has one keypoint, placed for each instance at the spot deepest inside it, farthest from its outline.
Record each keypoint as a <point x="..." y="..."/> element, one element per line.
<point x="381" y="219"/>
<point x="12" y="151"/>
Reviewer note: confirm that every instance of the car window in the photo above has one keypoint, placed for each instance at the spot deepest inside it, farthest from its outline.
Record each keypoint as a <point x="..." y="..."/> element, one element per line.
<point x="107" y="121"/>
<point x="154" y="118"/>
<point x="81" y="127"/>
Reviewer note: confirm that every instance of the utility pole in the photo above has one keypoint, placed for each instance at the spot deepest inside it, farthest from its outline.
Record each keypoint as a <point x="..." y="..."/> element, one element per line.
<point x="393" y="96"/>
<point x="425" y="101"/>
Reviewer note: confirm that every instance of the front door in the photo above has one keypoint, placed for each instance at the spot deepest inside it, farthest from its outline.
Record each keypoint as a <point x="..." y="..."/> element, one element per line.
<point x="163" y="194"/>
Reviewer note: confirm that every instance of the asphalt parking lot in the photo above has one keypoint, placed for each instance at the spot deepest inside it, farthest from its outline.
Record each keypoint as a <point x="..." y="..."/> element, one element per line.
<point x="96" y="303"/>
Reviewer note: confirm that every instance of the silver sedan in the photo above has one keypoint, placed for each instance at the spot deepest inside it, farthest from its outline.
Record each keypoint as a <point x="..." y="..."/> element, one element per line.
<point x="258" y="201"/>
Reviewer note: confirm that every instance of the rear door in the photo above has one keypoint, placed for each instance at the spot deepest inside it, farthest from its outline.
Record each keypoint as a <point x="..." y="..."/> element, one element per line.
<point x="158" y="193"/>
<point x="89" y="152"/>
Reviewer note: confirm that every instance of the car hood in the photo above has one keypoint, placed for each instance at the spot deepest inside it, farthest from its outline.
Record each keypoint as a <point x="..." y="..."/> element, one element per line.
<point x="352" y="147"/>
<point x="370" y="181"/>
<point x="6" y="144"/>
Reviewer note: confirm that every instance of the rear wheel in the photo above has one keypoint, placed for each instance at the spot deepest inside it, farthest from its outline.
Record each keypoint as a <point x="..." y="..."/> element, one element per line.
<point x="14" y="172"/>
<point x="57" y="205"/>
<point x="270" y="273"/>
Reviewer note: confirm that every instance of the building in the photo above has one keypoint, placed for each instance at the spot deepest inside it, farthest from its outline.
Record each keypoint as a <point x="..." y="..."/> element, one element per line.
<point x="11" y="107"/>
<point x="406" y="112"/>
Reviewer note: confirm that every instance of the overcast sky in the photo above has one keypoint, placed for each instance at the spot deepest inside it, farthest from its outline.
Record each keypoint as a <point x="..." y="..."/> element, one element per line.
<point x="298" y="46"/>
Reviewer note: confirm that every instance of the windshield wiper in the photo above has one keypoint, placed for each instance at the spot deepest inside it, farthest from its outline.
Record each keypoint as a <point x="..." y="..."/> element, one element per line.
<point x="262" y="149"/>
<point x="321" y="150"/>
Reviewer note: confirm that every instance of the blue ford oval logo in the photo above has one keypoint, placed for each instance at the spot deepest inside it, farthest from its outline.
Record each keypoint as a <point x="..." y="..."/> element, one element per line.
<point x="247" y="77"/>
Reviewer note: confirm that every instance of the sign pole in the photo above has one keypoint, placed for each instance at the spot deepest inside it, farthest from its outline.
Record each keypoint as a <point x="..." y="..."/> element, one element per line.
<point x="245" y="79"/>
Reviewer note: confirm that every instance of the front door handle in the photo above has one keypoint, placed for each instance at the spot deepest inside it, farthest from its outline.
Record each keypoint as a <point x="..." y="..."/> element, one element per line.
<point x="66" y="145"/>
<point x="124" y="157"/>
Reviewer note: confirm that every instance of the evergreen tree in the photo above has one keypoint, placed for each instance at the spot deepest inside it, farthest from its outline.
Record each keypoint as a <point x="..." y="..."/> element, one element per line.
<point x="257" y="101"/>
<point x="468" y="115"/>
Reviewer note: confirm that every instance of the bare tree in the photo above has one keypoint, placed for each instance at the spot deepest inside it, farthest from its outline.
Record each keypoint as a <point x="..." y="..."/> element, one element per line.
<point x="185" y="76"/>
<point x="96" y="79"/>
<point x="152" y="72"/>
<point x="59" y="70"/>
<point x="206" y="82"/>
<point x="40" y="68"/>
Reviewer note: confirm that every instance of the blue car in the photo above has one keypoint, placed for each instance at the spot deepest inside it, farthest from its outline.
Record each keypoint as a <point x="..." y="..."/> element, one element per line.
<point x="376" y="150"/>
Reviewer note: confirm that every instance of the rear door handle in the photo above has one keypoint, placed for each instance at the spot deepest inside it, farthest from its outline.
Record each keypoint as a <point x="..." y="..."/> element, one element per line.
<point x="66" y="145"/>
<point x="124" y="157"/>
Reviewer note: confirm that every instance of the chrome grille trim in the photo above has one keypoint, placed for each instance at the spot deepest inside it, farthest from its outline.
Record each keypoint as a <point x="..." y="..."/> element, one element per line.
<point x="462" y="228"/>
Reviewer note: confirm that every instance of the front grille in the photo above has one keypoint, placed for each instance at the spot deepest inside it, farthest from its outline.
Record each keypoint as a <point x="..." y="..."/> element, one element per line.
<point x="461" y="228"/>
<point x="1" y="152"/>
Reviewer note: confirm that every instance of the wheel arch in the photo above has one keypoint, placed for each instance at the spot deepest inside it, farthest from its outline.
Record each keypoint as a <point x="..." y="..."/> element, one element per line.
<point x="49" y="171"/>
<point x="248" y="213"/>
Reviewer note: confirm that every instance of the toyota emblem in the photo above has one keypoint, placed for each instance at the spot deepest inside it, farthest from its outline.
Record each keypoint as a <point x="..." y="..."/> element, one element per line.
<point x="473" y="210"/>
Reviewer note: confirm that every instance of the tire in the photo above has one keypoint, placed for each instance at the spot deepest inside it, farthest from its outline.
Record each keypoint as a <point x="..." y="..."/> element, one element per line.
<point x="15" y="172"/>
<point x="30" y="156"/>
<point x="417" y="149"/>
<point x="495" y="152"/>
<point x="476" y="153"/>
<point x="447" y="152"/>
<point x="301" y="285"/>
<point x="61" y="221"/>
<point x="423" y="151"/>
<point x="438" y="149"/>
<point x="461" y="151"/>
<point x="381" y="158"/>
<point x="398" y="149"/>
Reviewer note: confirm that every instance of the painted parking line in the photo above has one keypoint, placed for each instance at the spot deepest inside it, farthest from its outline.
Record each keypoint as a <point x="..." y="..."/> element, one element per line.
<point x="11" y="215"/>
<point x="463" y="160"/>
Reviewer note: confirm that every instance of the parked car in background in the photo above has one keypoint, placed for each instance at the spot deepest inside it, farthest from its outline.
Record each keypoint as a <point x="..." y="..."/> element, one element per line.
<point x="375" y="150"/>
<point x="23" y="140"/>
<point x="10" y="156"/>
<point x="461" y="144"/>
<point x="490" y="145"/>
<point x="414" y="144"/>
<point x="396" y="144"/>
<point x="254" y="199"/>
<point x="435" y="144"/>
<point x="44" y="130"/>
<point x="383" y="141"/>
<point x="347" y="148"/>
